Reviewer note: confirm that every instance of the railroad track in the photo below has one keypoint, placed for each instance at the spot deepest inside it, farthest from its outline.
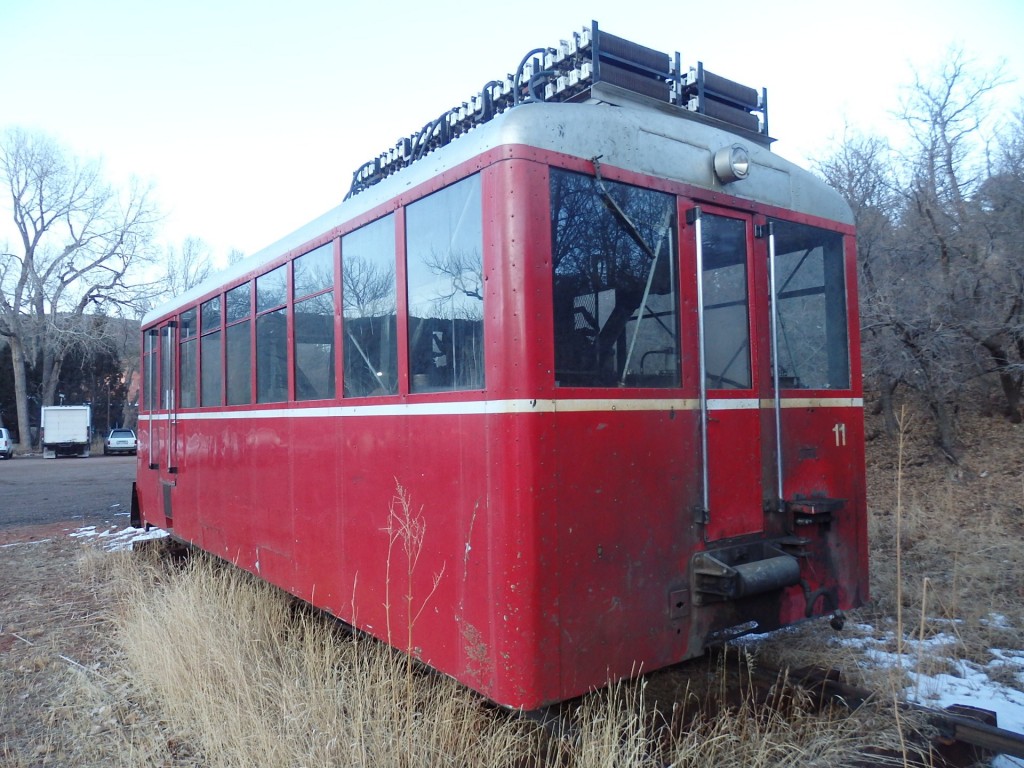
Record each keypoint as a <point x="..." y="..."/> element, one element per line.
<point x="956" y="727"/>
<point x="956" y="737"/>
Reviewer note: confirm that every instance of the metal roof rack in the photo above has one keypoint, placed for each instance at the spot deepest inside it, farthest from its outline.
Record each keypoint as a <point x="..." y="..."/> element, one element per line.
<point x="568" y="73"/>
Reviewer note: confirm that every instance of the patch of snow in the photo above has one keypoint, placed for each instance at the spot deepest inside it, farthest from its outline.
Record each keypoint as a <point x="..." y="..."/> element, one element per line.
<point x="24" y="543"/>
<point x="959" y="682"/>
<point x="114" y="539"/>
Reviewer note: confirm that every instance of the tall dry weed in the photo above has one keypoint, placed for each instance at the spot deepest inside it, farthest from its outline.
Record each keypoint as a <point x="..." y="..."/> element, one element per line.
<point x="258" y="682"/>
<point x="241" y="676"/>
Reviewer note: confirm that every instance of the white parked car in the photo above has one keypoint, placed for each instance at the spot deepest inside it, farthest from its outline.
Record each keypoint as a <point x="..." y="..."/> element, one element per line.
<point x="120" y="441"/>
<point x="6" y="444"/>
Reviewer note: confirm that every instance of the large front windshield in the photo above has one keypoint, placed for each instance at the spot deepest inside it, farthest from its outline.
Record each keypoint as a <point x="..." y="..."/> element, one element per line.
<point x="615" y="298"/>
<point x="812" y="339"/>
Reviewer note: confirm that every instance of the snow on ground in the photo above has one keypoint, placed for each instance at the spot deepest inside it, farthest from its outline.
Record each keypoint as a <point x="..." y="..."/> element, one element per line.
<point x="938" y="678"/>
<point x="115" y="539"/>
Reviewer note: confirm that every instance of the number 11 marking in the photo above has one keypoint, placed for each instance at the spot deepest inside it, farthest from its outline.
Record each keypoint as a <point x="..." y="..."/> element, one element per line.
<point x="840" y="433"/>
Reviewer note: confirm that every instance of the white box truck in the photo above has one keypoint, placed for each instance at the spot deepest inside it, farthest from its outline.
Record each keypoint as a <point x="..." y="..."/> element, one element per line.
<point x="65" y="430"/>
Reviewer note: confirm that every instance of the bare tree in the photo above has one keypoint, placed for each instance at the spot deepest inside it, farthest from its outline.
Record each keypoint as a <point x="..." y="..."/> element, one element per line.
<point x="861" y="170"/>
<point x="941" y="296"/>
<point x="78" y="239"/>
<point x="975" y="289"/>
<point x="368" y="287"/>
<point x="187" y="267"/>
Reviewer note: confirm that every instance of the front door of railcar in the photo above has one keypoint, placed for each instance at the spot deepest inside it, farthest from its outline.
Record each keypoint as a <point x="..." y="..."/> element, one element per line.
<point x="731" y="385"/>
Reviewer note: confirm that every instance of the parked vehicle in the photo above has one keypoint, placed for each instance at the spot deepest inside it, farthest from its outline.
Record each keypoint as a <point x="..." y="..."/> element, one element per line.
<point x="120" y="441"/>
<point x="6" y="444"/>
<point x="65" y="430"/>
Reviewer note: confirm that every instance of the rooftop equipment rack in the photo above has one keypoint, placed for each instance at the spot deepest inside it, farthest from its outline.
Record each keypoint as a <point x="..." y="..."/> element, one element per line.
<point x="568" y="73"/>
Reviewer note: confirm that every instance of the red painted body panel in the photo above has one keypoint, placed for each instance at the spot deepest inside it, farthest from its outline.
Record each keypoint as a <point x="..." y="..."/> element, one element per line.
<point x="559" y="524"/>
<point x="736" y="498"/>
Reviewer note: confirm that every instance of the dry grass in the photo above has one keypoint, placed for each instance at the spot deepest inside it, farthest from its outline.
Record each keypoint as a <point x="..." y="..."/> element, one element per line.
<point x="946" y="548"/>
<point x="254" y="680"/>
<point x="247" y="678"/>
<point x="201" y="664"/>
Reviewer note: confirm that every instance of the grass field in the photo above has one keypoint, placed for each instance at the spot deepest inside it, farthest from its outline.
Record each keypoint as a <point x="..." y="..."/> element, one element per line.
<point x="119" y="659"/>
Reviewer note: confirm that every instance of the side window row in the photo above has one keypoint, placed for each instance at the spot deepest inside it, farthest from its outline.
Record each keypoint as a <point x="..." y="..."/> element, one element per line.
<point x="234" y="348"/>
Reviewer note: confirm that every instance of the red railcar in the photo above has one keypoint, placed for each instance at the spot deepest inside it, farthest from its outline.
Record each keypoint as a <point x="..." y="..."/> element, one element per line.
<point x="603" y="345"/>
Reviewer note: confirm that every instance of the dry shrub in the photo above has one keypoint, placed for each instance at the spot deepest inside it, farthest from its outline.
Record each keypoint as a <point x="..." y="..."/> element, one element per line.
<point x="962" y="532"/>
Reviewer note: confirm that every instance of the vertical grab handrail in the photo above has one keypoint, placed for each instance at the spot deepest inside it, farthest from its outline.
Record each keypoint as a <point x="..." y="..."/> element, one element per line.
<point x="693" y="217"/>
<point x="150" y="371"/>
<point x="170" y="379"/>
<point x="776" y="395"/>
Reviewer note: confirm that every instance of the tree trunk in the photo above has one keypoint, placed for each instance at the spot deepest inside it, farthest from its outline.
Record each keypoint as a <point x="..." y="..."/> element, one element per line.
<point x="50" y="379"/>
<point x="887" y="392"/>
<point x="21" y="392"/>
<point x="1011" y="385"/>
<point x="945" y="426"/>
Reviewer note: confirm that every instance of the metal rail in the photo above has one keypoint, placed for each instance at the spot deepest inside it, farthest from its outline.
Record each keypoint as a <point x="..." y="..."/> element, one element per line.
<point x="955" y="724"/>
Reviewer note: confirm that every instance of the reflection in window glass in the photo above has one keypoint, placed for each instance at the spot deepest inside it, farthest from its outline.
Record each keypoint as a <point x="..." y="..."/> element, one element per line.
<point x="616" y="304"/>
<point x="187" y="321"/>
<point x="314" y="271"/>
<point x="210" y="359"/>
<point x="167" y="350"/>
<point x="237" y="302"/>
<point x="444" y="253"/>
<point x="210" y="314"/>
<point x="368" y="299"/>
<point x="239" y="371"/>
<point x="187" y="361"/>
<point x="726" y="318"/>
<point x="188" y="373"/>
<point x="812" y="342"/>
<point x="272" y="357"/>
<point x="271" y="289"/>
<point x="314" y="347"/>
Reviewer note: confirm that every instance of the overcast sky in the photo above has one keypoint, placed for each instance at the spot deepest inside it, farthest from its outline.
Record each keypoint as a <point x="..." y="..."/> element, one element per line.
<point x="249" y="117"/>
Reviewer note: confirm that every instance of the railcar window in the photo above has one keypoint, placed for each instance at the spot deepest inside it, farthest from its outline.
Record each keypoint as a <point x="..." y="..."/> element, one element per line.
<point x="209" y="314"/>
<point x="168" y="348"/>
<point x="444" y="263"/>
<point x="812" y="343"/>
<point x="238" y="303"/>
<point x="272" y="357"/>
<point x="187" y="360"/>
<point x="239" y="363"/>
<point x="272" y="337"/>
<point x="149" y="355"/>
<point x="238" y="345"/>
<point x="314" y="347"/>
<point x="369" y="305"/>
<point x="313" y="277"/>
<point x="271" y="289"/>
<point x="210" y="362"/>
<point x="726" y="318"/>
<point x="614" y="260"/>
<point x="313" y="272"/>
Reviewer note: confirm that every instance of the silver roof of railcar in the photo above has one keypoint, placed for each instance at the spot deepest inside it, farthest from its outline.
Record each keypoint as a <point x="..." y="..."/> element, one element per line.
<point x="624" y="131"/>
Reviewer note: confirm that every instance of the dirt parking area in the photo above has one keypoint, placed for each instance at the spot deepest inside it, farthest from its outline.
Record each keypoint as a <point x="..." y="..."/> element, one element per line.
<point x="54" y="616"/>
